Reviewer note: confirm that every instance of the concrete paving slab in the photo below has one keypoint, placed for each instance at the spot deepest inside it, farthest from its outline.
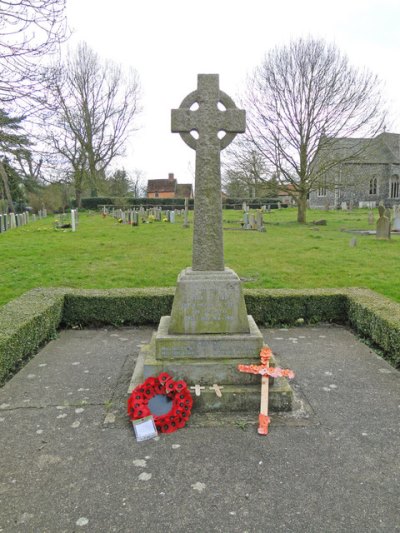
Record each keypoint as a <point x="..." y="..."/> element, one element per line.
<point x="70" y="463"/>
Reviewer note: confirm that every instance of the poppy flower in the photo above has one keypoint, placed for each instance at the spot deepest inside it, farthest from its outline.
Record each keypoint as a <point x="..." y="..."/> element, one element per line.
<point x="159" y="388"/>
<point x="169" y="426"/>
<point x="169" y="386"/>
<point x="265" y="354"/>
<point x="185" y="414"/>
<point x="181" y="422"/>
<point x="164" y="377"/>
<point x="141" y="412"/>
<point x="149" y="393"/>
<point x="151" y="382"/>
<point x="180" y="385"/>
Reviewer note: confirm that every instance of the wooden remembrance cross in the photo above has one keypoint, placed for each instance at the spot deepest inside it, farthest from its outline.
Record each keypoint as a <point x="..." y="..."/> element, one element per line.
<point x="208" y="111"/>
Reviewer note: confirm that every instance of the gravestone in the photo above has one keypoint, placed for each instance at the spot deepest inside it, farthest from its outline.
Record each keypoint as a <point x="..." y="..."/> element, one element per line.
<point x="209" y="331"/>
<point x="371" y="218"/>
<point x="260" y="220"/>
<point x="344" y="206"/>
<point x="73" y="219"/>
<point x="172" y="217"/>
<point x="246" y="224"/>
<point x="382" y="225"/>
<point x="396" y="218"/>
<point x="252" y="221"/>
<point x="186" y="219"/>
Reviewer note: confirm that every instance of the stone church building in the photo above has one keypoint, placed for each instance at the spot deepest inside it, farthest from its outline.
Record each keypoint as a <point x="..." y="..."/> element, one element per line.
<point x="368" y="174"/>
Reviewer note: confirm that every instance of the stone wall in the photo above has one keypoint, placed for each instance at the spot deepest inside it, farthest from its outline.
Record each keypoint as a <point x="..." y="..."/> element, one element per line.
<point x="350" y="183"/>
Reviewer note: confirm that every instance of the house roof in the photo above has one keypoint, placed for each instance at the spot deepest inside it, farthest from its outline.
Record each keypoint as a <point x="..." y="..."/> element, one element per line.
<point x="284" y="189"/>
<point x="164" y="185"/>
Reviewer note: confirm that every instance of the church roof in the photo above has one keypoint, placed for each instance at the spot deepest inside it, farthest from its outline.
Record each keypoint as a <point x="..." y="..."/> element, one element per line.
<point x="384" y="149"/>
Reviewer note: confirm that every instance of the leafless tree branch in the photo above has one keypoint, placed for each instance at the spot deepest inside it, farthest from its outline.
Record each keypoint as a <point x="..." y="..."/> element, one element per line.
<point x="299" y="100"/>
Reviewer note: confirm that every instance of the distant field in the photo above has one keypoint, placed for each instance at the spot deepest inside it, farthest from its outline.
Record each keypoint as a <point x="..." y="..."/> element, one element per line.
<point x="105" y="254"/>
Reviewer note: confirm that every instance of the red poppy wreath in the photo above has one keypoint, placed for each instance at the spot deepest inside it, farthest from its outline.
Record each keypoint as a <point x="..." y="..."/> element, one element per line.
<point x="164" y="384"/>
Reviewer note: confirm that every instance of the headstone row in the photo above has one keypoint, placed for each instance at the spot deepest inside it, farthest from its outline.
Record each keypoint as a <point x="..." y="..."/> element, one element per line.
<point x="153" y="214"/>
<point x="264" y="208"/>
<point x="14" y="220"/>
<point x="254" y="221"/>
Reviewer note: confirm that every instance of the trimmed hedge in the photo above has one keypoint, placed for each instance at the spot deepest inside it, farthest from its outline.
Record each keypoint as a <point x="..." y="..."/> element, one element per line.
<point x="377" y="319"/>
<point x="116" y="306"/>
<point x="253" y="203"/>
<point x="129" y="202"/>
<point x="290" y="307"/>
<point x="28" y="322"/>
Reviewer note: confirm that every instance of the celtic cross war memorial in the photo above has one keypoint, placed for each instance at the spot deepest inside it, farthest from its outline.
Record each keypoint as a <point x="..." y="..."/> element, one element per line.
<point x="208" y="331"/>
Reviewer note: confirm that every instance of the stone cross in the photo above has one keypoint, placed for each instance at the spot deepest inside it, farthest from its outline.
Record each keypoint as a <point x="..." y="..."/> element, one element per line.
<point x="202" y="115"/>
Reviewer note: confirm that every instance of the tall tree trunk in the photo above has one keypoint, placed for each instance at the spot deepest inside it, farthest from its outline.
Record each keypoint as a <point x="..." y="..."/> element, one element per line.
<point x="4" y="178"/>
<point x="78" y="197"/>
<point x="92" y="176"/>
<point x="302" y="208"/>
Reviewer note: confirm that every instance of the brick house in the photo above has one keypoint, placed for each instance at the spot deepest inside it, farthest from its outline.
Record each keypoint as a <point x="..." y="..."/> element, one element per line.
<point x="169" y="188"/>
<point x="286" y="194"/>
<point x="368" y="174"/>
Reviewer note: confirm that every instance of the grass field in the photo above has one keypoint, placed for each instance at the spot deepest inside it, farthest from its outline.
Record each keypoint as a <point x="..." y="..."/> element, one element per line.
<point x="105" y="254"/>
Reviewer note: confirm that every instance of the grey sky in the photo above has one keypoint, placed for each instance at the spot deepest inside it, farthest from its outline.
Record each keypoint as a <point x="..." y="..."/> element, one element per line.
<point x="170" y="42"/>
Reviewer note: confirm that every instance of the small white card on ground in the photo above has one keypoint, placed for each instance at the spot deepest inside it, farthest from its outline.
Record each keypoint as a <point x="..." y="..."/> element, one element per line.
<point x="144" y="428"/>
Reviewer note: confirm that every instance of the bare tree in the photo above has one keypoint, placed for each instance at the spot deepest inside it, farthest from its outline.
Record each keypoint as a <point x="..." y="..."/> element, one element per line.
<point x="299" y="100"/>
<point x="29" y="31"/>
<point x="138" y="183"/>
<point x="245" y="171"/>
<point x="94" y="106"/>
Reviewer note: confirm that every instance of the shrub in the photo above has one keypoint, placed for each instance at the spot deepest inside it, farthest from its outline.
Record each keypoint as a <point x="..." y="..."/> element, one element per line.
<point x="31" y="320"/>
<point x="25" y="324"/>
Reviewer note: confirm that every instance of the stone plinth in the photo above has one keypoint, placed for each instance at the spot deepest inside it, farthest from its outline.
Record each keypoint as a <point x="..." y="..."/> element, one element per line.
<point x="240" y="391"/>
<point x="212" y="358"/>
<point x="210" y="346"/>
<point x="208" y="302"/>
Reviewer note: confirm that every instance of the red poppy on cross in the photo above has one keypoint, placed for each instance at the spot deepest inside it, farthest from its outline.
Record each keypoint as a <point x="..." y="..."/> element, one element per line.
<point x="266" y="372"/>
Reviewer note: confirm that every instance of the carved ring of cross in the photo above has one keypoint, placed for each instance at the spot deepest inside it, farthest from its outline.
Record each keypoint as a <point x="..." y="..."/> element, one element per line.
<point x="193" y="98"/>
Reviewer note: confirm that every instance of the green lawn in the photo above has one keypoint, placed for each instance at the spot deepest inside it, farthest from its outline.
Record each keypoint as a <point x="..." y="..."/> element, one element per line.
<point x="105" y="254"/>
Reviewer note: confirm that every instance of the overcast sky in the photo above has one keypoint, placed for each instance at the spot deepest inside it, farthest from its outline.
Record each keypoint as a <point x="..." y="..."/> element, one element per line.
<point x="169" y="42"/>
